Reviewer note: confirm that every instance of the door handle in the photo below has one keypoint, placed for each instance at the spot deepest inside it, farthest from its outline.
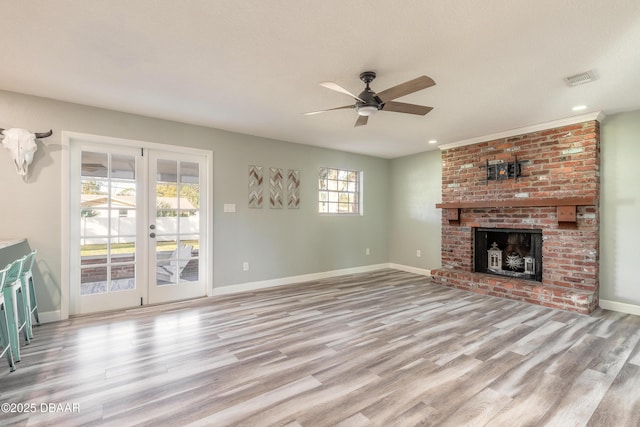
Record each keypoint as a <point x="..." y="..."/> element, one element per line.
<point x="152" y="235"/>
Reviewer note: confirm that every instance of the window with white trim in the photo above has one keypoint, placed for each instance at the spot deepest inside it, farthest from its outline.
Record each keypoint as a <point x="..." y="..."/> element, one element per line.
<point x="339" y="191"/>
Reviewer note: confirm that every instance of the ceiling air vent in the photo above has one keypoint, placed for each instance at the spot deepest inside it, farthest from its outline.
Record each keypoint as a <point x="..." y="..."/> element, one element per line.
<point x="579" y="79"/>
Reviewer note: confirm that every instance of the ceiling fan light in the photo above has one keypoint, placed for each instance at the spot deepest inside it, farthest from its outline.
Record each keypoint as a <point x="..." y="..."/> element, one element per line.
<point x="367" y="110"/>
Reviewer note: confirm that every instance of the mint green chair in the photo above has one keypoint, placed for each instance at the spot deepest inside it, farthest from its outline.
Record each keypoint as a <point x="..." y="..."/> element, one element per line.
<point x="16" y="303"/>
<point x="5" y="346"/>
<point x="26" y="278"/>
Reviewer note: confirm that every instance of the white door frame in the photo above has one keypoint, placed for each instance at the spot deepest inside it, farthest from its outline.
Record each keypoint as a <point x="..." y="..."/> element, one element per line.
<point x="67" y="139"/>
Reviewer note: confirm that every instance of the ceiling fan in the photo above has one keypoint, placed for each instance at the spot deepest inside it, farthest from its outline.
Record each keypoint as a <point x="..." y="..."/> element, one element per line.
<point x="370" y="102"/>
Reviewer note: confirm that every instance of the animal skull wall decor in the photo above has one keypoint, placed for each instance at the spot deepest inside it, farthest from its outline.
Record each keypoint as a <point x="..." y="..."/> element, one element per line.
<point x="22" y="145"/>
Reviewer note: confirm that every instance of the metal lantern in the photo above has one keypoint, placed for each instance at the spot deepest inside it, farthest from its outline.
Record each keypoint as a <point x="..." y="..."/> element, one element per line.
<point x="529" y="265"/>
<point x="495" y="257"/>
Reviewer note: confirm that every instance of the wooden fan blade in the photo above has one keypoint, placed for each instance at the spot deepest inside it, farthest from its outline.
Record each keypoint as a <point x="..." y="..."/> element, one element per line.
<point x="328" y="109"/>
<point x="338" y="88"/>
<point x="362" y="120"/>
<point x="406" y="88"/>
<point x="401" y="107"/>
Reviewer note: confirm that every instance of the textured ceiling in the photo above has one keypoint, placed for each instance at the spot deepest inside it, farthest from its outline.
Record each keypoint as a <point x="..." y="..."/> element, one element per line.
<point x="254" y="66"/>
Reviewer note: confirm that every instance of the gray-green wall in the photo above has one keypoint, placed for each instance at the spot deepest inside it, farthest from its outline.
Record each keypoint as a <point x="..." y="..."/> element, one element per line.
<point x="276" y="243"/>
<point x="414" y="222"/>
<point x="620" y="208"/>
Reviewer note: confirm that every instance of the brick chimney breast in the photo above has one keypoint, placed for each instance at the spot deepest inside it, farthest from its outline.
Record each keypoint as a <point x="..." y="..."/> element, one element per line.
<point x="558" y="192"/>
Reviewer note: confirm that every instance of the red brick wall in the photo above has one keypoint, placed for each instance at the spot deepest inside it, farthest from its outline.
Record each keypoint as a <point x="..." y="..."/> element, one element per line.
<point x="558" y="163"/>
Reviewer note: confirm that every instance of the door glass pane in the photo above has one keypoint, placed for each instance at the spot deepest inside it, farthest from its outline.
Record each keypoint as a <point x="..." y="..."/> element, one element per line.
<point x="175" y="261"/>
<point x="167" y="199"/>
<point x="123" y="277"/>
<point x="94" y="187"/>
<point x="189" y="261"/>
<point x="94" y="222"/>
<point x="123" y="193"/>
<point x="123" y="224"/>
<point x="167" y="171"/>
<point x="190" y="221"/>
<point x="93" y="198"/>
<point x="123" y="250"/>
<point x="166" y="259"/>
<point x="189" y="173"/>
<point x="189" y="196"/>
<point x="93" y="251"/>
<point x="166" y="221"/>
<point x="123" y="166"/>
<point x="94" y="164"/>
<point x="93" y="280"/>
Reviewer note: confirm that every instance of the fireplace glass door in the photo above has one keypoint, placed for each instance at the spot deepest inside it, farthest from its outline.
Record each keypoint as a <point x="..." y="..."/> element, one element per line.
<point x="509" y="252"/>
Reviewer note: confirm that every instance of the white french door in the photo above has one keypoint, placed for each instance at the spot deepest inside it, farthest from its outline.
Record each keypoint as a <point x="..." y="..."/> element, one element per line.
<point x="139" y="221"/>
<point x="108" y="198"/>
<point x="175" y="226"/>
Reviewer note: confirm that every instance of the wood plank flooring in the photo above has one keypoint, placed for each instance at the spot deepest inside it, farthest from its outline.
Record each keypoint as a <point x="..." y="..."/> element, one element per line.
<point x="378" y="349"/>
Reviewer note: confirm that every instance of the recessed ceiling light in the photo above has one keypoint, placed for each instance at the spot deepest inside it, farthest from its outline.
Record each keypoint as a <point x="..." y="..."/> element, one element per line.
<point x="432" y="141"/>
<point x="579" y="108"/>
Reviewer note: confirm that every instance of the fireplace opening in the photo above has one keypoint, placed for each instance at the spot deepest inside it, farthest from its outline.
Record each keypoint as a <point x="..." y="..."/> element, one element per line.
<point x="509" y="252"/>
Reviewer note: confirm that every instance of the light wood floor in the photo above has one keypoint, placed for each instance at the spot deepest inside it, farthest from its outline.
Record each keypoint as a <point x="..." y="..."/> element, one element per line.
<point x="384" y="348"/>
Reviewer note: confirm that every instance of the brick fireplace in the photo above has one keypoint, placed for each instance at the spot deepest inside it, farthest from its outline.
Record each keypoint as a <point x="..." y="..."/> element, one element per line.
<point x="556" y="194"/>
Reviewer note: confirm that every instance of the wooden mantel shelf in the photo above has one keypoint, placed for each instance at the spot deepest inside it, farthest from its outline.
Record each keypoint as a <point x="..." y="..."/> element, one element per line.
<point x="518" y="203"/>
<point x="566" y="208"/>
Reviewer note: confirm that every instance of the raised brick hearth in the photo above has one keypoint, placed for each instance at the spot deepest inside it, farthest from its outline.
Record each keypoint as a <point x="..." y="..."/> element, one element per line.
<point x="560" y="167"/>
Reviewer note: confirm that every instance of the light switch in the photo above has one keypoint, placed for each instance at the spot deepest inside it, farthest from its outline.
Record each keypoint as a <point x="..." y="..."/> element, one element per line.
<point x="230" y="207"/>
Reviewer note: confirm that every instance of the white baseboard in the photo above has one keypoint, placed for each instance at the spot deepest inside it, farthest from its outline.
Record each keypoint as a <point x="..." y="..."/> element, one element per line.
<point x="49" y="316"/>
<point x="409" y="269"/>
<point x="251" y="286"/>
<point x="620" y="306"/>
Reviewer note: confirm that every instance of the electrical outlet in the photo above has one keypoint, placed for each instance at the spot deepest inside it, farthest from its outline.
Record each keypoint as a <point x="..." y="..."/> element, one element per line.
<point x="418" y="253"/>
<point x="367" y="251"/>
<point x="245" y="266"/>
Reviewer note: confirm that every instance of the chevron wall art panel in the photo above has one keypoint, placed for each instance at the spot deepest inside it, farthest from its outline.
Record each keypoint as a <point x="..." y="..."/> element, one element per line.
<point x="293" y="189"/>
<point x="255" y="187"/>
<point x="276" y="178"/>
